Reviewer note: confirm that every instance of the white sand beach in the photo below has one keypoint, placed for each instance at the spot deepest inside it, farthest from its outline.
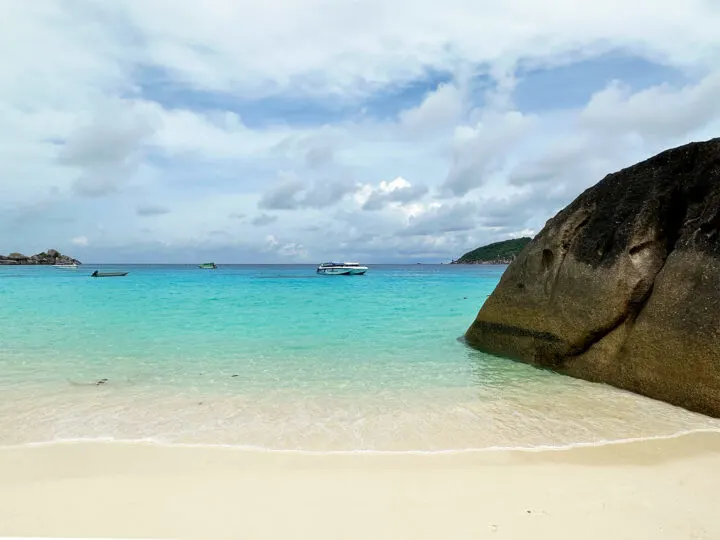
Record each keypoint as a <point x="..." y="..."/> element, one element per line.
<point x="656" y="489"/>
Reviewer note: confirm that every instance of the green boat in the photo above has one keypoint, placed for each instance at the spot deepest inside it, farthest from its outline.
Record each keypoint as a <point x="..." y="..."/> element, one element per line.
<point x="208" y="266"/>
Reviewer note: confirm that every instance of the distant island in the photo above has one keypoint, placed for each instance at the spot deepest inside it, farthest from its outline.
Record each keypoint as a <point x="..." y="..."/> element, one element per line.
<point x="51" y="256"/>
<point x="497" y="253"/>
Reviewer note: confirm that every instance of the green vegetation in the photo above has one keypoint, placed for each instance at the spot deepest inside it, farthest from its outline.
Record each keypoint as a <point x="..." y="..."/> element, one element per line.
<point x="496" y="253"/>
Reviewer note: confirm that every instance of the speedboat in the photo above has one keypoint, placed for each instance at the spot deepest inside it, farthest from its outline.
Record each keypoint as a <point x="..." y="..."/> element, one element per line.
<point x="65" y="266"/>
<point x="341" y="269"/>
<point x="208" y="266"/>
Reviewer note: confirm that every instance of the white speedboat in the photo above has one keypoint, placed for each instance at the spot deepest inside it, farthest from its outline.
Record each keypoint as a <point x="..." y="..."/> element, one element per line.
<point x="341" y="269"/>
<point x="65" y="266"/>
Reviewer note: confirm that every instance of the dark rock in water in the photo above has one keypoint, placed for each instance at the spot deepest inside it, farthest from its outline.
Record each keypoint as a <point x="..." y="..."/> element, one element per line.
<point x="623" y="285"/>
<point x="51" y="256"/>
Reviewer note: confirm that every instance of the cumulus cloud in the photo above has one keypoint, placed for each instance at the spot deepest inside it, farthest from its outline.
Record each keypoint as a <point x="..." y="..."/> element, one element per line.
<point x="398" y="190"/>
<point x="291" y="250"/>
<point x="482" y="150"/>
<point x="319" y="156"/>
<point x="440" y="110"/>
<point x="658" y="112"/>
<point x="573" y="164"/>
<point x="297" y="194"/>
<point x="229" y="127"/>
<point x="522" y="209"/>
<point x="386" y="44"/>
<point x="439" y="219"/>
<point x="106" y="149"/>
<point x="284" y="196"/>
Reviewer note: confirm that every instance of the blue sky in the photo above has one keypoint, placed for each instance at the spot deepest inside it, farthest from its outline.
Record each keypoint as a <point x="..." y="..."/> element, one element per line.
<point x="572" y="85"/>
<point x="285" y="108"/>
<point x="171" y="131"/>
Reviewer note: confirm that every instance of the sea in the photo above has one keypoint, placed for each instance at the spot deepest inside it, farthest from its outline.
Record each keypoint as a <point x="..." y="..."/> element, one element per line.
<point x="280" y="358"/>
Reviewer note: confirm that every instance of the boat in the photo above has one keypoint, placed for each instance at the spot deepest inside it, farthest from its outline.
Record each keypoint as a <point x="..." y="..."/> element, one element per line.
<point x="208" y="266"/>
<point x="96" y="273"/>
<point x="65" y="266"/>
<point x="341" y="269"/>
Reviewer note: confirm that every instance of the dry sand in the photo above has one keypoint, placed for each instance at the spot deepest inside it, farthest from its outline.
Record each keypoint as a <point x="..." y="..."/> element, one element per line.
<point x="658" y="489"/>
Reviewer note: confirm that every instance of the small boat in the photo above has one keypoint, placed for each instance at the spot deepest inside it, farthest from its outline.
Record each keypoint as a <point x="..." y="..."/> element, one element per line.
<point x="208" y="266"/>
<point x="341" y="269"/>
<point x="65" y="266"/>
<point x="96" y="273"/>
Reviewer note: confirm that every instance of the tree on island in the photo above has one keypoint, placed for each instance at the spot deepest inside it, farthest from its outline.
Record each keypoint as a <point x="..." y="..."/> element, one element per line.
<point x="496" y="253"/>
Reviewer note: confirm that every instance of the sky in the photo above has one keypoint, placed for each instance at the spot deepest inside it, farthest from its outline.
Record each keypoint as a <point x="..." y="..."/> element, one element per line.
<point x="310" y="130"/>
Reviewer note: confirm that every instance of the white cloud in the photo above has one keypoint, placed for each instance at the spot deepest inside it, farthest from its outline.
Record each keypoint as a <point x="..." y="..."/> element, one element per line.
<point x="140" y="102"/>
<point x="441" y="110"/>
<point x="289" y="250"/>
<point x="104" y="149"/>
<point x="482" y="150"/>
<point x="660" y="112"/>
<point x="397" y="193"/>
<point x="353" y="47"/>
<point x="296" y="193"/>
<point x="80" y="241"/>
<point x="213" y="135"/>
<point x="443" y="219"/>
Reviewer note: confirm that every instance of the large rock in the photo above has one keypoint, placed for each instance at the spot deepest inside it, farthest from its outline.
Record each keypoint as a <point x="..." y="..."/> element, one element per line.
<point x="623" y="285"/>
<point x="50" y="256"/>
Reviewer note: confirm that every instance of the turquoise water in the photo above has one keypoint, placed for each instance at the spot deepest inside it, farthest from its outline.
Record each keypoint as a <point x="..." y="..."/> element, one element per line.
<point x="279" y="357"/>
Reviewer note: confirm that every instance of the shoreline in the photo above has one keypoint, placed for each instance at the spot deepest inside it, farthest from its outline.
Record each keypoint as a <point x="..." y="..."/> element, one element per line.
<point x="659" y="489"/>
<point x="150" y="442"/>
<point x="547" y="412"/>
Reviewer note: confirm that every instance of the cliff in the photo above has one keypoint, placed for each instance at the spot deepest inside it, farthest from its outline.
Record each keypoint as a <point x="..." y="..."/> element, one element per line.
<point x="623" y="285"/>
<point x="50" y="256"/>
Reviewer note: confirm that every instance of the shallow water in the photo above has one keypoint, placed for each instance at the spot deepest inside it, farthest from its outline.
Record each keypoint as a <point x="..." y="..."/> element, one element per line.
<point x="278" y="357"/>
